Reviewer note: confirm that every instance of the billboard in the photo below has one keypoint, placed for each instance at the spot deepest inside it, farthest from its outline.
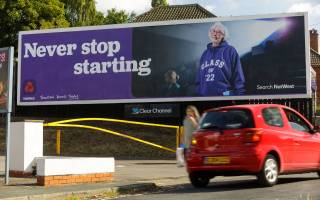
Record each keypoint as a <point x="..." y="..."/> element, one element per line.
<point x="6" y="65"/>
<point x="252" y="57"/>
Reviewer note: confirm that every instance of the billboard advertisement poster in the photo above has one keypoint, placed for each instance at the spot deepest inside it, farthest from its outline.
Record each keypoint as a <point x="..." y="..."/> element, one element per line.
<point x="252" y="57"/>
<point x="6" y="59"/>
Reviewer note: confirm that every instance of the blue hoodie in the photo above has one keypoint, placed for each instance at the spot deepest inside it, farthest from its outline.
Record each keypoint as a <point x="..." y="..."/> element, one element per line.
<point x="220" y="72"/>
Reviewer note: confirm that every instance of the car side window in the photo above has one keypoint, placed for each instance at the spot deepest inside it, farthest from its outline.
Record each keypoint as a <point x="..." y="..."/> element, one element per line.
<point x="272" y="117"/>
<point x="296" y="122"/>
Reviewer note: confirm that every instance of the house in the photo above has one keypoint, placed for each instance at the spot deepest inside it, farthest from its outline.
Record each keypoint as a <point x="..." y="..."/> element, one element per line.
<point x="174" y="12"/>
<point x="315" y="59"/>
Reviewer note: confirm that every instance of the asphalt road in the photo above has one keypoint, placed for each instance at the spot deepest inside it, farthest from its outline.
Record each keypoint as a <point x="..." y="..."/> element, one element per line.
<point x="295" y="187"/>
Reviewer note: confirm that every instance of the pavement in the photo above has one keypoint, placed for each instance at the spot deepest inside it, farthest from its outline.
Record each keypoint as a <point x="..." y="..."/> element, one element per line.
<point x="130" y="176"/>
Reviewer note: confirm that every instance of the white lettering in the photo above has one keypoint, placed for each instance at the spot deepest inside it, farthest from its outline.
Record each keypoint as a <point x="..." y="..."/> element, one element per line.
<point x="94" y="47"/>
<point x="61" y="50"/>
<point x="114" y="46"/>
<point x="212" y="63"/>
<point x="144" y="69"/>
<point x="264" y="87"/>
<point x="117" y="66"/>
<point x="85" y="48"/>
<point x="51" y="49"/>
<point x="95" y="68"/>
<point x="283" y="86"/>
<point x="77" y="68"/>
<point x="30" y="49"/>
<point x="41" y="51"/>
<point x="48" y="50"/>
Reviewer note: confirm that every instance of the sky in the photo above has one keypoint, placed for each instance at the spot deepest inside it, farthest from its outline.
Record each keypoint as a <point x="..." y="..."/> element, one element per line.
<point x="223" y="8"/>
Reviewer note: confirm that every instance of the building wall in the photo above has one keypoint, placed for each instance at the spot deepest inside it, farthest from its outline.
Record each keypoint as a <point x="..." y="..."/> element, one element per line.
<point x="317" y="70"/>
<point x="314" y="44"/>
<point x="314" y="40"/>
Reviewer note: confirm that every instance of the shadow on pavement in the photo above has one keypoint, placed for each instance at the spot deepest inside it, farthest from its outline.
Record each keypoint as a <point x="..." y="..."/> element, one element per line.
<point x="221" y="186"/>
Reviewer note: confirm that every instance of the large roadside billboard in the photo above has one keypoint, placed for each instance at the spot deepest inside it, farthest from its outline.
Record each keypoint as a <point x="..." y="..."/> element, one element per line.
<point x="252" y="57"/>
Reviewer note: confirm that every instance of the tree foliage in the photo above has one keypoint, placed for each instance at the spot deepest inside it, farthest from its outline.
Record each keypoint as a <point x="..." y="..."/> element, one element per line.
<point x="80" y="12"/>
<point x="84" y="13"/>
<point x="118" y="17"/>
<point x="156" y="3"/>
<point x="2" y="4"/>
<point x="22" y="15"/>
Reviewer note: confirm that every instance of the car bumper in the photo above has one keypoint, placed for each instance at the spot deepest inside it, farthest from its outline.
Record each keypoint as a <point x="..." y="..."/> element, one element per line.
<point x="242" y="162"/>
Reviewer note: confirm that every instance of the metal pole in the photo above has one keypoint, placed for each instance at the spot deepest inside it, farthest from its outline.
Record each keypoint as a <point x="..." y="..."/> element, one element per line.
<point x="9" y="110"/>
<point x="7" y="147"/>
<point x="58" y="138"/>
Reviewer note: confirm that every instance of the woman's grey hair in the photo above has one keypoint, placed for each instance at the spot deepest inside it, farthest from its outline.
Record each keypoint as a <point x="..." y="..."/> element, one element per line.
<point x="221" y="27"/>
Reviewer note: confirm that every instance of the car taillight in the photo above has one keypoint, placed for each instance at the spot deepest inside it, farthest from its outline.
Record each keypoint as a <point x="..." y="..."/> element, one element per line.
<point x="252" y="136"/>
<point x="193" y="141"/>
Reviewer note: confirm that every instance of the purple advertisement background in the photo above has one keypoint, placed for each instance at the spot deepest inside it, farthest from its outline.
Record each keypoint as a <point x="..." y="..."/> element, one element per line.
<point x="53" y="76"/>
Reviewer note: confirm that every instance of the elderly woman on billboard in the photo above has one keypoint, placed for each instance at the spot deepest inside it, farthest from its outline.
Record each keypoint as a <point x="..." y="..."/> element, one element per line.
<point x="220" y="72"/>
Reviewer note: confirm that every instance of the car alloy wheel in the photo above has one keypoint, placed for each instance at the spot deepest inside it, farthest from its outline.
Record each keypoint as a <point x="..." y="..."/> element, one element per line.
<point x="198" y="180"/>
<point x="268" y="176"/>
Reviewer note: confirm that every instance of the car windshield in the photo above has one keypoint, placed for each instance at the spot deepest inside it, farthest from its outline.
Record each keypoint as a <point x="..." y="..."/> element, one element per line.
<point x="227" y="119"/>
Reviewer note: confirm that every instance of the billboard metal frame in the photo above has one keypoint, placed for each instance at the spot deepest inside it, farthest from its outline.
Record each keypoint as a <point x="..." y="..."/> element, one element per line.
<point x="171" y="99"/>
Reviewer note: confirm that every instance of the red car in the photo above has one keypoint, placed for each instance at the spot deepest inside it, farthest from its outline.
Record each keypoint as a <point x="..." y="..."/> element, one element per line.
<point x="263" y="140"/>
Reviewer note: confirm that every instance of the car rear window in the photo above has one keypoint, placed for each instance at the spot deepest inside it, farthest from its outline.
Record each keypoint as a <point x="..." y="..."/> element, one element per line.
<point x="272" y="117"/>
<point x="227" y="119"/>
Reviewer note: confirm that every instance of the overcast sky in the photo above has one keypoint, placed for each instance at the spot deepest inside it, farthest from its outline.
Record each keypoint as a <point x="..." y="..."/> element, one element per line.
<point x="223" y="8"/>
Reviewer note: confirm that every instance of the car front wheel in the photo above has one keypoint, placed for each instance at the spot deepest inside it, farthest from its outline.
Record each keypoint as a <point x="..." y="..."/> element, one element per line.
<point x="268" y="176"/>
<point x="198" y="180"/>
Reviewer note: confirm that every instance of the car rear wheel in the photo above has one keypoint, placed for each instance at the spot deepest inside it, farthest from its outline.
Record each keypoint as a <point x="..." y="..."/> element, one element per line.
<point x="198" y="180"/>
<point x="268" y="176"/>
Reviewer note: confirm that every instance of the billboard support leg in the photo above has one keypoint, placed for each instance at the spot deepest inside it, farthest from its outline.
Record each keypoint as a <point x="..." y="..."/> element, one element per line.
<point x="7" y="148"/>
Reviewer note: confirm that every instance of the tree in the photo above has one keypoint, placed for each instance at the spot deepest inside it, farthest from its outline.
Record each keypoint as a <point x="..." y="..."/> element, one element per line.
<point x="156" y="3"/>
<point x="22" y="15"/>
<point x="2" y="4"/>
<point x="118" y="17"/>
<point x="82" y="12"/>
<point x="99" y="19"/>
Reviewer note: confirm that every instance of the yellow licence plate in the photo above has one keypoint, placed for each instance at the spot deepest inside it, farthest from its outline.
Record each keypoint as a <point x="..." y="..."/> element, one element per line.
<point x="218" y="160"/>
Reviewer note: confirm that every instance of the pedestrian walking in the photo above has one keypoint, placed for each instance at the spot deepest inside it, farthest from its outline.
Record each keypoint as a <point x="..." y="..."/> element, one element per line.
<point x="190" y="124"/>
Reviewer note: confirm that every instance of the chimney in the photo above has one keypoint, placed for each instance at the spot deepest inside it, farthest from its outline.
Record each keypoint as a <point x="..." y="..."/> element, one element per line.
<point x="314" y="41"/>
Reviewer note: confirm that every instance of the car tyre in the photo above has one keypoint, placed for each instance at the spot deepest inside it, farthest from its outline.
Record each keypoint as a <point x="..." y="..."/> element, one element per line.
<point x="198" y="180"/>
<point x="268" y="176"/>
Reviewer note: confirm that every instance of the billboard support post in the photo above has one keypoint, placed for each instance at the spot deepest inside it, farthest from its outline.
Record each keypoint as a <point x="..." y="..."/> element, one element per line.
<point x="7" y="147"/>
<point x="8" y="109"/>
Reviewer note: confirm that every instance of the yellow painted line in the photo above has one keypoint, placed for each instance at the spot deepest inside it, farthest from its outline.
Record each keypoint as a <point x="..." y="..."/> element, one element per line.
<point x="111" y="120"/>
<point x="112" y="132"/>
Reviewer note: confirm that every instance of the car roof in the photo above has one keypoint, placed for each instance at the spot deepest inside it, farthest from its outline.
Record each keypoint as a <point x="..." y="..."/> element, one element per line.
<point x="247" y="106"/>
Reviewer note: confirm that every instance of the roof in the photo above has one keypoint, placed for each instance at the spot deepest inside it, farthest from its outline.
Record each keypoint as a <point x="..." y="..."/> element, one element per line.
<point x="248" y="106"/>
<point x="174" y="12"/>
<point x="315" y="58"/>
